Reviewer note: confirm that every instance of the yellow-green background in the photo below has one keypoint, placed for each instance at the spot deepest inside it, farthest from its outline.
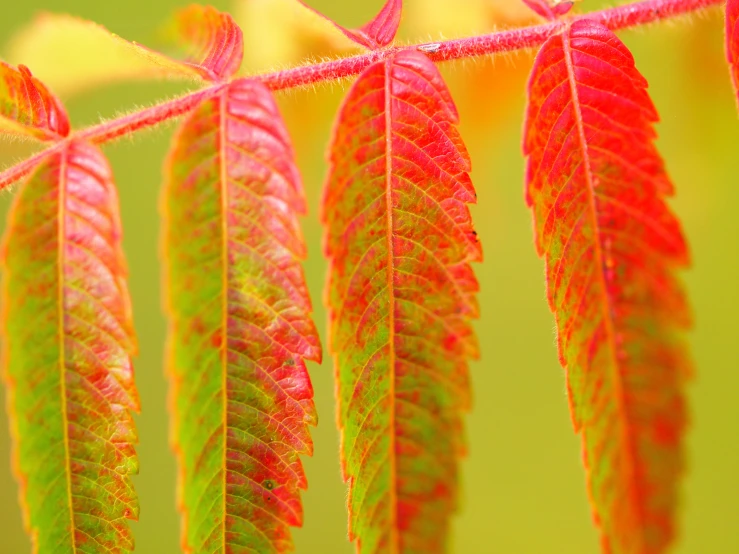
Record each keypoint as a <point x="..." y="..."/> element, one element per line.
<point x="523" y="482"/>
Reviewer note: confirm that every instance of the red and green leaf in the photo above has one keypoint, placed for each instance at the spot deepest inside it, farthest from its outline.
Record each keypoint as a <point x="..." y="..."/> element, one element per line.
<point x="240" y="326"/>
<point x="378" y="32"/>
<point x="732" y="40"/>
<point x="27" y="107"/>
<point x="68" y="342"/>
<point x="597" y="188"/>
<point x="401" y="295"/>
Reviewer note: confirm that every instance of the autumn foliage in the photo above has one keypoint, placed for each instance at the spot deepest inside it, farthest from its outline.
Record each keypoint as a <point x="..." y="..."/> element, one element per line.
<point x="401" y="289"/>
<point x="597" y="186"/>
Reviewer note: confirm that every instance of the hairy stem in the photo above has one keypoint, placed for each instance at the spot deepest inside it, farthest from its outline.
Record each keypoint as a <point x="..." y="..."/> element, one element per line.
<point x="621" y="17"/>
<point x="147" y="117"/>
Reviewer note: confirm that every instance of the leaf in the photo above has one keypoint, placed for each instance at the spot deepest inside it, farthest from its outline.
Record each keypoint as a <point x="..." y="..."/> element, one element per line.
<point x="213" y="40"/>
<point x="401" y="296"/>
<point x="240" y="327"/>
<point x="71" y="54"/>
<point x="378" y="32"/>
<point x="68" y="342"/>
<point x="550" y="9"/>
<point x="732" y="40"/>
<point x="27" y="107"/>
<point x="597" y="188"/>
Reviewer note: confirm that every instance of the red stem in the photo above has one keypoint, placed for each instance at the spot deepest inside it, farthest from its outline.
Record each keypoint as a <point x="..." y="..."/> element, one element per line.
<point x="147" y="117"/>
<point x="21" y="169"/>
<point x="629" y="15"/>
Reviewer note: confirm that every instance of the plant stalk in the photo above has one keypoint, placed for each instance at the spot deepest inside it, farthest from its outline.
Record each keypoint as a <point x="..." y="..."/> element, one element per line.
<point x="620" y="17"/>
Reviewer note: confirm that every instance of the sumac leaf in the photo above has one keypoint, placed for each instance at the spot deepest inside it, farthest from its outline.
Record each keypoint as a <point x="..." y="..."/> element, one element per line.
<point x="240" y="326"/>
<point x="213" y="40"/>
<point x="68" y="341"/>
<point x="27" y="107"/>
<point x="597" y="188"/>
<point x="732" y="41"/>
<point x="71" y="54"/>
<point x="550" y="9"/>
<point x="401" y="295"/>
<point x="378" y="32"/>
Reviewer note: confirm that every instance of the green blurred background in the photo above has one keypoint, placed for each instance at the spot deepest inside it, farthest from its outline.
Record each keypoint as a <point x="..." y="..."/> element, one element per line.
<point x="523" y="489"/>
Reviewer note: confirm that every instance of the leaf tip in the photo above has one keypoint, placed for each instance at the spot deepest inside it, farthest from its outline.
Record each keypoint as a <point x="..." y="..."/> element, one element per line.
<point x="378" y="32"/>
<point x="28" y="107"/>
<point x="550" y="9"/>
<point x="212" y="38"/>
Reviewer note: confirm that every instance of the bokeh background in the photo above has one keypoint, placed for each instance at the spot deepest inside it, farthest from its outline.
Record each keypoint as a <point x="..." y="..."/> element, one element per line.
<point x="523" y="484"/>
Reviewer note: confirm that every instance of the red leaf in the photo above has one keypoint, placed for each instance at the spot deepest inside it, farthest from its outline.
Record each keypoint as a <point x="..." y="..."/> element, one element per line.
<point x="550" y="9"/>
<point x="213" y="40"/>
<point x="732" y="40"/>
<point x="27" y="107"/>
<point x="597" y="188"/>
<point x="240" y="326"/>
<point x="401" y="295"/>
<point x="379" y="32"/>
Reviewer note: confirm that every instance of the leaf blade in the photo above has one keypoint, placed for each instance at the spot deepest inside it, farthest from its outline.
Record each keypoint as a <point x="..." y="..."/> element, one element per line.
<point x="232" y="183"/>
<point x="597" y="189"/>
<point x="69" y="335"/>
<point x="72" y="54"/>
<point x="213" y="39"/>
<point x="376" y="33"/>
<point x="732" y="41"/>
<point x="399" y="358"/>
<point x="27" y="107"/>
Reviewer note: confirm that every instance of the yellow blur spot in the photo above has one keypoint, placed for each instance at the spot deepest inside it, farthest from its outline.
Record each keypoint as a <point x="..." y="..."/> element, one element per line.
<point x="70" y="55"/>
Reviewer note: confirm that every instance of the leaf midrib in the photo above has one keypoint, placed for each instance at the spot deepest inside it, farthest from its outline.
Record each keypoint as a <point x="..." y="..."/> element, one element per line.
<point x="629" y="471"/>
<point x="61" y="241"/>
<point x="391" y="309"/>
<point x="222" y="153"/>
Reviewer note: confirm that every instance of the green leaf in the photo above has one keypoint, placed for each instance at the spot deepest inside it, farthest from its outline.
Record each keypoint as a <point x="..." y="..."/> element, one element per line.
<point x="68" y="341"/>
<point x="240" y="325"/>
